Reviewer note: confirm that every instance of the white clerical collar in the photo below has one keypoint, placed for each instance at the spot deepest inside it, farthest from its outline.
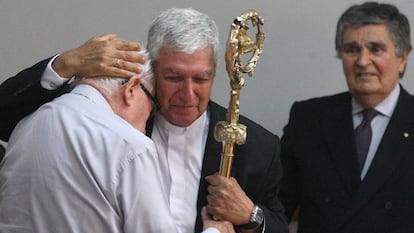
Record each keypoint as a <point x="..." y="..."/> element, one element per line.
<point x="166" y="126"/>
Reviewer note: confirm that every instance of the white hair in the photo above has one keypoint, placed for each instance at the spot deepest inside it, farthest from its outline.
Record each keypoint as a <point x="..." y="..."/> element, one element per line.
<point x="182" y="29"/>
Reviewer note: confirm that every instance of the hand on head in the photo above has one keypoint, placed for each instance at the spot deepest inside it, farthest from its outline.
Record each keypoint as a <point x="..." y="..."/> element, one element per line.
<point x="101" y="56"/>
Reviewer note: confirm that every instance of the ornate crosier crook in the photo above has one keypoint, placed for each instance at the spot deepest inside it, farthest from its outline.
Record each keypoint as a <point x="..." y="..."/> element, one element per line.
<point x="239" y="43"/>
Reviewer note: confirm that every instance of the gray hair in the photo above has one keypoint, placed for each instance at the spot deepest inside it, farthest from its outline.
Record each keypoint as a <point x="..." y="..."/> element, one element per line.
<point x="147" y="78"/>
<point x="375" y="13"/>
<point x="184" y="30"/>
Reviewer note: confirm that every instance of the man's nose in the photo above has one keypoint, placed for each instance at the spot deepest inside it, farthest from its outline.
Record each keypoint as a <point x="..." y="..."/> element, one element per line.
<point x="364" y="58"/>
<point x="187" y="89"/>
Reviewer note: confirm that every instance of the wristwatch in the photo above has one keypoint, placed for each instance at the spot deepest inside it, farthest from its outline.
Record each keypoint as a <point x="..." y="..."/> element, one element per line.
<point x="256" y="219"/>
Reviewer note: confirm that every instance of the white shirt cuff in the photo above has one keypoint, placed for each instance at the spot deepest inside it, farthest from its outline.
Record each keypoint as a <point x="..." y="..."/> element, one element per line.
<point x="211" y="230"/>
<point x="51" y="80"/>
<point x="264" y="225"/>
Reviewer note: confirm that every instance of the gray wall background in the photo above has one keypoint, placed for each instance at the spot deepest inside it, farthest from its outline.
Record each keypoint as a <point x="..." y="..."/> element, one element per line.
<point x="298" y="61"/>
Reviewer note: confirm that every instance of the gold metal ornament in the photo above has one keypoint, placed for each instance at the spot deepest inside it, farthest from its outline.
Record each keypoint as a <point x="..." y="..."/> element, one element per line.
<point x="239" y="43"/>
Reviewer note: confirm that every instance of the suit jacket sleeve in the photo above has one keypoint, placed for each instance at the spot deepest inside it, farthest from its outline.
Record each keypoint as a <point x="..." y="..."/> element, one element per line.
<point x="23" y="94"/>
<point x="289" y="190"/>
<point x="271" y="205"/>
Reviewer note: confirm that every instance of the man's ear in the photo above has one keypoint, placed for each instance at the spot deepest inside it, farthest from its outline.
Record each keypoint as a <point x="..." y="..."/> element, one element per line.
<point x="404" y="60"/>
<point x="131" y="89"/>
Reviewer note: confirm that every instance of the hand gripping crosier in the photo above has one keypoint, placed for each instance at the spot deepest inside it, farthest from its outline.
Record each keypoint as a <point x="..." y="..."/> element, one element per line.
<point x="239" y="43"/>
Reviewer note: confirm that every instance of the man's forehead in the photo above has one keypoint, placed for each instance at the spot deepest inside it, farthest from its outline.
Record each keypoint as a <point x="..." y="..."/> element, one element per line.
<point x="364" y="43"/>
<point x="357" y="36"/>
<point x="178" y="72"/>
<point x="367" y="31"/>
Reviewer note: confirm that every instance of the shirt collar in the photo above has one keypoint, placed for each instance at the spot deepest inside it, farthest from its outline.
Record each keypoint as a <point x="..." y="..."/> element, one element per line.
<point x="92" y="94"/>
<point x="170" y="128"/>
<point x="386" y="107"/>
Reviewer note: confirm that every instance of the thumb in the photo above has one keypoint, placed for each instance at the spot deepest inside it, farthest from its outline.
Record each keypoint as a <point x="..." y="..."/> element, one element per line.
<point x="204" y="215"/>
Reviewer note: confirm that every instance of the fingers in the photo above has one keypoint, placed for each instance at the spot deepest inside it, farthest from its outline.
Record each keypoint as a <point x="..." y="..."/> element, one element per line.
<point x="104" y="55"/>
<point x="126" y="68"/>
<point x="127" y="55"/>
<point x="218" y="195"/>
<point x="127" y="45"/>
<point x="221" y="226"/>
<point x="227" y="200"/>
<point x="204" y="215"/>
<point x="219" y="185"/>
<point x="114" y="67"/>
<point x="105" y="37"/>
<point x="216" y="179"/>
<point x="113" y="55"/>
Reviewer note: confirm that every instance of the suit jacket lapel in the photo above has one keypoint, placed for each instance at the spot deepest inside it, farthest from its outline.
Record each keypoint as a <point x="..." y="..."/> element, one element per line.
<point x="393" y="146"/>
<point x="337" y="128"/>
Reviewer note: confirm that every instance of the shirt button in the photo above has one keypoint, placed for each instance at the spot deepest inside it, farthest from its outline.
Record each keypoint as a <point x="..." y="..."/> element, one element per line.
<point x="388" y="205"/>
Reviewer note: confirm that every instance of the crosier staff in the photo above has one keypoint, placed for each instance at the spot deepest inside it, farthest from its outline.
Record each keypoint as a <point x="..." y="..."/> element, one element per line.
<point x="231" y="132"/>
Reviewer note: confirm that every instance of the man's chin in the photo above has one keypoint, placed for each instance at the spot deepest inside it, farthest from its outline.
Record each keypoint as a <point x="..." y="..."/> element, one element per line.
<point x="182" y="120"/>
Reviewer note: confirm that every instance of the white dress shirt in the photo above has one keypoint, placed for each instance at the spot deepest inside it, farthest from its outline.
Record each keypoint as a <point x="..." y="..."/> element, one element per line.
<point x="75" y="166"/>
<point x="181" y="152"/>
<point x="50" y="79"/>
<point x="378" y="124"/>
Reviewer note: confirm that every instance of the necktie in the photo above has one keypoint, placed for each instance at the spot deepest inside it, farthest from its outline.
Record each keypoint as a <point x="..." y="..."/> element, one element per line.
<point x="363" y="134"/>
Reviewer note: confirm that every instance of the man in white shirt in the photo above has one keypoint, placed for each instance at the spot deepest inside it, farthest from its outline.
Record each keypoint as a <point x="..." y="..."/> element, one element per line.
<point x="82" y="163"/>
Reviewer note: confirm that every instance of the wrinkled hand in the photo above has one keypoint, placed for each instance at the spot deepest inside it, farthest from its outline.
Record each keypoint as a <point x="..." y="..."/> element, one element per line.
<point x="101" y="56"/>
<point x="227" y="201"/>
<point x="222" y="226"/>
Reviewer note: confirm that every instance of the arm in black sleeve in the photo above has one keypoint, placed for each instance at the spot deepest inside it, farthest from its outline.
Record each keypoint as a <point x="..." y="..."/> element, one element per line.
<point x="289" y="193"/>
<point x="23" y="94"/>
<point x="273" y="209"/>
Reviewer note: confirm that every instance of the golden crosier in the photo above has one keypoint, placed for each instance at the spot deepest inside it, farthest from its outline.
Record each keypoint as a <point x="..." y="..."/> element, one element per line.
<point x="239" y="43"/>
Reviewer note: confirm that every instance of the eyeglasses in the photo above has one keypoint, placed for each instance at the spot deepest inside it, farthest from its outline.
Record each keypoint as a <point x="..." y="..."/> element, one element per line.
<point x="149" y="95"/>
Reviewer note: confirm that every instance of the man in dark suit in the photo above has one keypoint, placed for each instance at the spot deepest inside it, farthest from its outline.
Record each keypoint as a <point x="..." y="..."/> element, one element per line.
<point x="323" y="180"/>
<point x="183" y="45"/>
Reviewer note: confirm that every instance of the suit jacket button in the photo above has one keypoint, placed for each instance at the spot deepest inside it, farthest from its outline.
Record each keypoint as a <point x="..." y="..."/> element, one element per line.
<point x="327" y="199"/>
<point x="388" y="205"/>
